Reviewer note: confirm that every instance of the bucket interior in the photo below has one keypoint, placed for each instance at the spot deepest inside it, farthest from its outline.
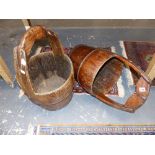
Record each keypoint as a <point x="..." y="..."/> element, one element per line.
<point x="47" y="72"/>
<point x="107" y="76"/>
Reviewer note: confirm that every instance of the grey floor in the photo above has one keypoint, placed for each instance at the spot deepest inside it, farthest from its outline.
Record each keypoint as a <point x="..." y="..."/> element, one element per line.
<point x="17" y="113"/>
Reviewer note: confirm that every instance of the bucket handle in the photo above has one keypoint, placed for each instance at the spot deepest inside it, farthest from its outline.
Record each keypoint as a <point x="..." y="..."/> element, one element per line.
<point x="37" y="33"/>
<point x="140" y="95"/>
<point x="22" y="52"/>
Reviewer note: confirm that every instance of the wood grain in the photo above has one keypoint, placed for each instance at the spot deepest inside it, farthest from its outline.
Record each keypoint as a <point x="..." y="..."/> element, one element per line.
<point x="42" y="68"/>
<point x="151" y="68"/>
<point x="5" y="73"/>
<point x="97" y="70"/>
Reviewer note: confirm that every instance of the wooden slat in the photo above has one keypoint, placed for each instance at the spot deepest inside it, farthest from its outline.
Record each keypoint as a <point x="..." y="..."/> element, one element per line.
<point x="151" y="68"/>
<point x="5" y="73"/>
<point x="27" y="23"/>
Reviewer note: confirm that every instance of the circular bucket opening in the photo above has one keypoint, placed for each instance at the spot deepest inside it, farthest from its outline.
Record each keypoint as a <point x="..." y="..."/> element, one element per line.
<point x="107" y="76"/>
<point x="48" y="72"/>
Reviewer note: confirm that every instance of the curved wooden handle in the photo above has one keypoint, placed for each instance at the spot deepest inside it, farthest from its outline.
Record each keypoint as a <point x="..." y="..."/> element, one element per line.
<point x="134" y="67"/>
<point x="142" y="87"/>
<point x="37" y="33"/>
<point x="138" y="97"/>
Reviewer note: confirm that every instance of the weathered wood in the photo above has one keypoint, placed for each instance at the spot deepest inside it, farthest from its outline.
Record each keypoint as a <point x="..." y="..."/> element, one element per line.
<point x="46" y="77"/>
<point x="27" y="23"/>
<point x="97" y="70"/>
<point x="5" y="73"/>
<point x="151" y="68"/>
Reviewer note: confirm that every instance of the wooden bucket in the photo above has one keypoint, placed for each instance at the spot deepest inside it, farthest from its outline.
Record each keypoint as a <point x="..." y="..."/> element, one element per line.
<point x="46" y="77"/>
<point x="97" y="70"/>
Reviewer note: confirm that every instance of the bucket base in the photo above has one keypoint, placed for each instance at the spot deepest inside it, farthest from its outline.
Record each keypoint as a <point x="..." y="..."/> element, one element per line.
<point x="52" y="82"/>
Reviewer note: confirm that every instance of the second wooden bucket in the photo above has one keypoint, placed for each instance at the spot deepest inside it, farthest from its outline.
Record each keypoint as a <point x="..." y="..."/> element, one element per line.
<point x="97" y="70"/>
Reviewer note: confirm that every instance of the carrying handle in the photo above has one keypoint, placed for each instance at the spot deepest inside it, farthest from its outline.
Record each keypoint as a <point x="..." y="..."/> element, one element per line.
<point x="33" y="34"/>
<point x="37" y="33"/>
<point x="22" y="52"/>
<point x="134" y="67"/>
<point x="142" y="87"/>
